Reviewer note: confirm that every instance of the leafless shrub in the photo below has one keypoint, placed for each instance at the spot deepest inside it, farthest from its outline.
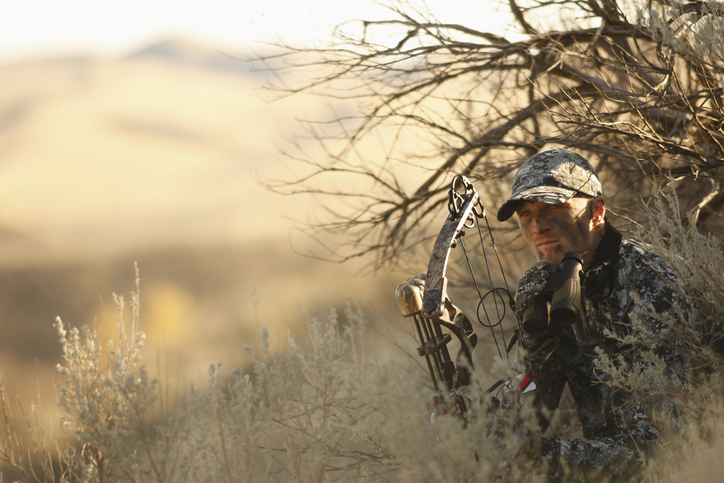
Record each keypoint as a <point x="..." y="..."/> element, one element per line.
<point x="633" y="86"/>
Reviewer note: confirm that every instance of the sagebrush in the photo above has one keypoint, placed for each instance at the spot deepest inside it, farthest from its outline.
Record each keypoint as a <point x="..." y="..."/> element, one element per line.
<point x="326" y="410"/>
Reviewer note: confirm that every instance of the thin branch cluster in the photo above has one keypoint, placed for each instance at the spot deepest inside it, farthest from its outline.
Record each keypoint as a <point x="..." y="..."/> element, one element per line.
<point x="636" y="87"/>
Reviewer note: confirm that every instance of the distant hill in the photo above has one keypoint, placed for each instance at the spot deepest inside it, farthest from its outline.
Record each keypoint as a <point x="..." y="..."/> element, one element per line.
<point x="193" y="54"/>
<point x="152" y="158"/>
<point x="162" y="146"/>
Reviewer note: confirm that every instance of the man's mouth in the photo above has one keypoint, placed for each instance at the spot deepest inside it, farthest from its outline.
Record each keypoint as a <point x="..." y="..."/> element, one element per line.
<point x="547" y="244"/>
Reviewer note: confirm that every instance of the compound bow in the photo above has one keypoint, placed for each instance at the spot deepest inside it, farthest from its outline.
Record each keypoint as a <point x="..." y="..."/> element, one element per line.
<point x="436" y="318"/>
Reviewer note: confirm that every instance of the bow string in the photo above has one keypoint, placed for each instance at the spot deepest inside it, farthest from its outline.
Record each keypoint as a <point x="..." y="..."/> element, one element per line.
<point x="436" y="319"/>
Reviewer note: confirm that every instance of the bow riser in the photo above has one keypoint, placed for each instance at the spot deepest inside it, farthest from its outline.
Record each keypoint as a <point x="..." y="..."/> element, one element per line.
<point x="436" y="318"/>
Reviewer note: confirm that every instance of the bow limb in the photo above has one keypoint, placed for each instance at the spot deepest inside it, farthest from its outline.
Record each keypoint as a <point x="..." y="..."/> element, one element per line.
<point x="425" y="298"/>
<point x="435" y="280"/>
<point x="437" y="310"/>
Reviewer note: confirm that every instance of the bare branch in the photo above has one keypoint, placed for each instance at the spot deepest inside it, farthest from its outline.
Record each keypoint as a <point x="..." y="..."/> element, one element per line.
<point x="640" y="95"/>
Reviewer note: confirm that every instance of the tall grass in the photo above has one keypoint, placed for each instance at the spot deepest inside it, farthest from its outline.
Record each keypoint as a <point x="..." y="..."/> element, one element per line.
<point x="328" y="411"/>
<point x="325" y="411"/>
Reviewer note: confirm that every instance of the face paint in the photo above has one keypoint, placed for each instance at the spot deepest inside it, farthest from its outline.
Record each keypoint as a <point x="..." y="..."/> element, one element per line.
<point x="552" y="230"/>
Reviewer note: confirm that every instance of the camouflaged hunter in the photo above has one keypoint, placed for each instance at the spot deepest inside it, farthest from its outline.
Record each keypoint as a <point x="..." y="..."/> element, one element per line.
<point x="619" y="277"/>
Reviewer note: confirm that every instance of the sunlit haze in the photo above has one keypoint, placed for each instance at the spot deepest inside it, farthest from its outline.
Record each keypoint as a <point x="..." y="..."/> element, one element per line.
<point x="127" y="135"/>
<point x="32" y="28"/>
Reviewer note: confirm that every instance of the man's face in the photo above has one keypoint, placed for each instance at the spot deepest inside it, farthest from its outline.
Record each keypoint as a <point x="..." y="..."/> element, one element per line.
<point x="552" y="230"/>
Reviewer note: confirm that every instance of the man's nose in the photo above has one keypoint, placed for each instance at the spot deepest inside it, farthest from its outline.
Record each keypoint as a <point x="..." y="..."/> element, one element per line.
<point x="540" y="225"/>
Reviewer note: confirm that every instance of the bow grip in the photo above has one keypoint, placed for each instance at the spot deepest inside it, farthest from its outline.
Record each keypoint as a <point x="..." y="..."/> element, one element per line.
<point x="409" y="295"/>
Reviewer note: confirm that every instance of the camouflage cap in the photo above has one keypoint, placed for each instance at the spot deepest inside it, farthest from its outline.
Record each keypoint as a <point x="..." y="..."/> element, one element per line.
<point x="553" y="177"/>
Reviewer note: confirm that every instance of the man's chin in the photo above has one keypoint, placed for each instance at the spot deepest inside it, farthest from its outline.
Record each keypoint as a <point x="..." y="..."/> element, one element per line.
<point x="554" y="257"/>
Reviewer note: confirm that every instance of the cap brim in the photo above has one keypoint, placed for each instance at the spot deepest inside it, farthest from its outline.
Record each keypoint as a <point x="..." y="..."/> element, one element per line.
<point x="551" y="195"/>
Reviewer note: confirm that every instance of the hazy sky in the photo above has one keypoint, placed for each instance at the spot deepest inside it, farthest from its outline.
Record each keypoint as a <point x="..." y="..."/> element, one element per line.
<point x="32" y="28"/>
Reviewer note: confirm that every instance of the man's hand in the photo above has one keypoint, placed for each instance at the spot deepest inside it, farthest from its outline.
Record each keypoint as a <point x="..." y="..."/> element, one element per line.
<point x="531" y="285"/>
<point x="409" y="295"/>
<point x="540" y="344"/>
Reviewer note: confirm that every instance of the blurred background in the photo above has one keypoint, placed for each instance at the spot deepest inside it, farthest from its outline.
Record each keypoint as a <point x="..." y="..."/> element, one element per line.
<point x="139" y="132"/>
<point x="133" y="133"/>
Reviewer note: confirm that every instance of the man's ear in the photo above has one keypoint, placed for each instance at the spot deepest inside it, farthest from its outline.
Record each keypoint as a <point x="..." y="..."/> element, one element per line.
<point x="598" y="205"/>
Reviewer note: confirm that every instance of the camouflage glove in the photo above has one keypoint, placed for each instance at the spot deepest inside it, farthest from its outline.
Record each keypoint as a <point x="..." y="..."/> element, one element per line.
<point x="531" y="285"/>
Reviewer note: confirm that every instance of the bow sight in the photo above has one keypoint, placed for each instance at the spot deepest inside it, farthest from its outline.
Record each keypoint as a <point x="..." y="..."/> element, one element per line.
<point x="437" y="320"/>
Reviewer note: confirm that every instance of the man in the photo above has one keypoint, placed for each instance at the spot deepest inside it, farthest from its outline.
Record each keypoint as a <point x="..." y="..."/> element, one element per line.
<point x="560" y="208"/>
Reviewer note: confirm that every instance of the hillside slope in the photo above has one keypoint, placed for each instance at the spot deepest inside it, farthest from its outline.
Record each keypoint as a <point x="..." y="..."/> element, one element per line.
<point x="151" y="158"/>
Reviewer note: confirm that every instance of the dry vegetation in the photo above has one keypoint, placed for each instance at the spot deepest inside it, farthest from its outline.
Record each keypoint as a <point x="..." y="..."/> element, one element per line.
<point x="634" y="86"/>
<point x="329" y="411"/>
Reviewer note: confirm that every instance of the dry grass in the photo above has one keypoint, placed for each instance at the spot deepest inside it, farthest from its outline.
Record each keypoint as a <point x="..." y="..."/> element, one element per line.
<point x="329" y="411"/>
<point x="323" y="412"/>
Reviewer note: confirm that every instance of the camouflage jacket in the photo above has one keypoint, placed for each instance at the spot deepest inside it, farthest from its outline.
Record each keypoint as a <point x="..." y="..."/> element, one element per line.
<point x="618" y="430"/>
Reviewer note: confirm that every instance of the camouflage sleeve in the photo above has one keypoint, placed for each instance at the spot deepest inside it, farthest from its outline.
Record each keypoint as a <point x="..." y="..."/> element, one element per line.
<point x="615" y="458"/>
<point x="618" y="443"/>
<point x="650" y="314"/>
<point x="612" y="457"/>
<point x="547" y="369"/>
<point x="538" y="353"/>
<point x="619" y="435"/>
